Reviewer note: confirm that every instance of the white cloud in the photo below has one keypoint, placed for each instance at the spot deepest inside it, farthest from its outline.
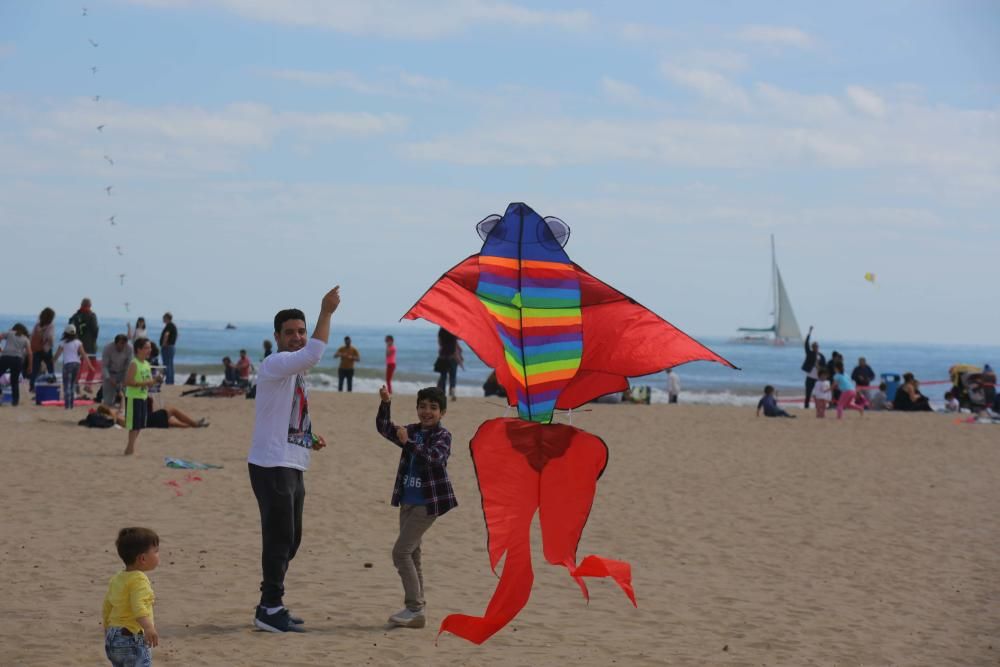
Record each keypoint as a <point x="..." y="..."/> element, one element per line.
<point x="620" y="91"/>
<point x="866" y="101"/>
<point x="332" y="79"/>
<point x="797" y="106"/>
<point x="389" y="18"/>
<point x="708" y="84"/>
<point x="776" y="35"/>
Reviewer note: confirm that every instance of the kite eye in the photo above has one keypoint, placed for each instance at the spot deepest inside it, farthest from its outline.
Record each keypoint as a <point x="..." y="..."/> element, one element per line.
<point x="554" y="233"/>
<point x="487" y="224"/>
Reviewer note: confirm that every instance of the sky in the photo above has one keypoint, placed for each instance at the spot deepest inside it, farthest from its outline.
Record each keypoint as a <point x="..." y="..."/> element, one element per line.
<point x="259" y="153"/>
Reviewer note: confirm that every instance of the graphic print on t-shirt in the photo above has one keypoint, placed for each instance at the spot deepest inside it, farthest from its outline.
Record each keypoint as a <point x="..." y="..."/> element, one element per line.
<point x="299" y="424"/>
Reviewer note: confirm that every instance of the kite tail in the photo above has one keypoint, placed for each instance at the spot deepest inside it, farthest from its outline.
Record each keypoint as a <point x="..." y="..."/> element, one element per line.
<point x="508" y="600"/>
<point x="596" y="566"/>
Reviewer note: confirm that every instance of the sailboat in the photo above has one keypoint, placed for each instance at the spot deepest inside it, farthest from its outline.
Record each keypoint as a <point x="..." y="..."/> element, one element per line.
<point x="784" y="329"/>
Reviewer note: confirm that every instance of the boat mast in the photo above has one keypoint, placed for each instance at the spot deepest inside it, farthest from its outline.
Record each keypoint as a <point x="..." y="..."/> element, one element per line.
<point x="775" y="300"/>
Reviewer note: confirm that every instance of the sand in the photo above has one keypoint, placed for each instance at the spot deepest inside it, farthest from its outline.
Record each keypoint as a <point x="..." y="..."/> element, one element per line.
<point x="753" y="541"/>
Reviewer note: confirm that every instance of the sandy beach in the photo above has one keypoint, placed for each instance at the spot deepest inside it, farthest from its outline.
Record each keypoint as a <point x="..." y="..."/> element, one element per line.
<point x="753" y="541"/>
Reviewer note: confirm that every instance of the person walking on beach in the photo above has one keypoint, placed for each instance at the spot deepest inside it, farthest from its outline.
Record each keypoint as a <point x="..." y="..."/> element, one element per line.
<point x="813" y="362"/>
<point x="127" y="612"/>
<point x="115" y="360"/>
<point x="422" y="491"/>
<point x="43" y="340"/>
<point x="168" y="343"/>
<point x="348" y="355"/>
<point x="138" y="380"/>
<point x="16" y="358"/>
<point x="87" y="328"/>
<point x="448" y="360"/>
<point x="390" y="361"/>
<point x="821" y="393"/>
<point x="280" y="452"/>
<point x="847" y="397"/>
<point x="73" y="357"/>
<point x="673" y="385"/>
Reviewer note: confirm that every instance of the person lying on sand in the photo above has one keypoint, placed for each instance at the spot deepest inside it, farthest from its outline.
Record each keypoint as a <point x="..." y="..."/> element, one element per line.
<point x="166" y="418"/>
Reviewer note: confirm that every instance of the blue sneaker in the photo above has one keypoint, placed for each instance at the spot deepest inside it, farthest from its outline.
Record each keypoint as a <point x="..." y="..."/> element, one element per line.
<point x="279" y="621"/>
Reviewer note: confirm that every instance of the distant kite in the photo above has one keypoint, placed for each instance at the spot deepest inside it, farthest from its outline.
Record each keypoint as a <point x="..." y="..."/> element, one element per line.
<point x="92" y="43"/>
<point x="112" y="221"/>
<point x="108" y="189"/>
<point x="121" y="279"/>
<point x="120" y="253"/>
<point x="100" y="128"/>
<point x="110" y="161"/>
<point x="870" y="277"/>
<point x="93" y="70"/>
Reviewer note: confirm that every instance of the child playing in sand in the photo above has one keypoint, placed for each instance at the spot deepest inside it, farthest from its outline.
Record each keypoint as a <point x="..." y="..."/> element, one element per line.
<point x="422" y="490"/>
<point x="138" y="380"/>
<point x="769" y="404"/>
<point x="849" y="398"/>
<point x="129" y="632"/>
<point x="821" y="393"/>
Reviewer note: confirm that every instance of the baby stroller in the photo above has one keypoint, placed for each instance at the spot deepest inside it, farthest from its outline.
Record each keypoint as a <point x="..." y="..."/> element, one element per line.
<point x="973" y="387"/>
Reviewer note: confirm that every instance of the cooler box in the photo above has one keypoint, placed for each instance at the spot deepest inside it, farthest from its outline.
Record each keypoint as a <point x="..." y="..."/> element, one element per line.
<point x="892" y="382"/>
<point x="46" y="392"/>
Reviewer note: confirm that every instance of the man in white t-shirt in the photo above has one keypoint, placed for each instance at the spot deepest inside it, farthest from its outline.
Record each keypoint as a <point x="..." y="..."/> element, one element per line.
<point x="282" y="442"/>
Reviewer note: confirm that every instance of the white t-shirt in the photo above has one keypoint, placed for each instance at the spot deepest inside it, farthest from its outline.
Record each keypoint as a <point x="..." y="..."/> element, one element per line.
<point x="822" y="390"/>
<point x="282" y="430"/>
<point x="71" y="351"/>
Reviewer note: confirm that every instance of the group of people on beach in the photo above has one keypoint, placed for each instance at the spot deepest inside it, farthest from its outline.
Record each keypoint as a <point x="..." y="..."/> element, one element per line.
<point x="280" y="451"/>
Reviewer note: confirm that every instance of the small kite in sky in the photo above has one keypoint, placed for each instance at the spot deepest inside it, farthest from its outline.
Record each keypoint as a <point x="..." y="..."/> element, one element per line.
<point x="93" y="70"/>
<point x="126" y="307"/>
<point x="121" y="279"/>
<point x="97" y="98"/>
<point x="119" y="249"/>
<point x="108" y="189"/>
<point x="84" y="11"/>
<point x="557" y="338"/>
<point x="92" y="43"/>
<point x="109" y="160"/>
<point x="870" y="277"/>
<point x="112" y="221"/>
<point x="100" y="128"/>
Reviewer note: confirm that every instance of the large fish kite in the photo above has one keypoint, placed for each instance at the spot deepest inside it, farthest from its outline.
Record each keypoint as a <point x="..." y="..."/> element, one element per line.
<point x="557" y="338"/>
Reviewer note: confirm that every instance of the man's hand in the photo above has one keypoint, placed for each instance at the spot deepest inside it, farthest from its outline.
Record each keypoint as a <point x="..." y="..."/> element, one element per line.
<point x="402" y="435"/>
<point x="383" y="393"/>
<point x="330" y="301"/>
<point x="318" y="442"/>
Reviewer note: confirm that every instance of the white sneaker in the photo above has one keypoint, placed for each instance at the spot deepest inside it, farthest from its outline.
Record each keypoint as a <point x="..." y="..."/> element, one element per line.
<point x="405" y="618"/>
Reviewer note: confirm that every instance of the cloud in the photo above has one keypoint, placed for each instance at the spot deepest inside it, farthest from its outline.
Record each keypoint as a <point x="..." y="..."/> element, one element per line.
<point x="866" y="101"/>
<point x="389" y="18"/>
<point x="795" y="106"/>
<point x="620" y="91"/>
<point x="708" y="84"/>
<point x="333" y="79"/>
<point x="776" y="36"/>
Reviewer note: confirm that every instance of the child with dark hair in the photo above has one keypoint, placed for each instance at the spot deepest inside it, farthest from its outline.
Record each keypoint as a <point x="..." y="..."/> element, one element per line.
<point x="769" y="404"/>
<point x="422" y="490"/>
<point x="138" y="380"/>
<point x="127" y="614"/>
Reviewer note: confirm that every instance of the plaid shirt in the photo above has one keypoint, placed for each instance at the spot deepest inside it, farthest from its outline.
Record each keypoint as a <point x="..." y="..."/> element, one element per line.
<point x="430" y="456"/>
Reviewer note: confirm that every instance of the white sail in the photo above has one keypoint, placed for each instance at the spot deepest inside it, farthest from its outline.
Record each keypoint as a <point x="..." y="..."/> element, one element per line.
<point x="785" y="325"/>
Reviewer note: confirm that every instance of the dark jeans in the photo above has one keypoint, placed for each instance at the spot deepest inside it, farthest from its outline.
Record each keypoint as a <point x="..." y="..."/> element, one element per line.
<point x="810" y="383"/>
<point x="14" y="365"/>
<point x="280" y="495"/>
<point x="345" y="374"/>
<point x="449" y="376"/>
<point x="37" y="359"/>
<point x="167" y="354"/>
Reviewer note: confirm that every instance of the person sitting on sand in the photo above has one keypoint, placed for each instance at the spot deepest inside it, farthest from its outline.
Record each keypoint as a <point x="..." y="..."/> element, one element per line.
<point x="769" y="404"/>
<point x="908" y="396"/>
<point x="165" y="418"/>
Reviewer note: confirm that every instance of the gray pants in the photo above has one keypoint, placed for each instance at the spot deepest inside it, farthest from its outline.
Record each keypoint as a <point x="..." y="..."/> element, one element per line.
<point x="413" y="523"/>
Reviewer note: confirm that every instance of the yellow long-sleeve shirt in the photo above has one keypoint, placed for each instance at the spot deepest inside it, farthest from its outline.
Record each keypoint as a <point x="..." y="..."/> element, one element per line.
<point x="129" y="597"/>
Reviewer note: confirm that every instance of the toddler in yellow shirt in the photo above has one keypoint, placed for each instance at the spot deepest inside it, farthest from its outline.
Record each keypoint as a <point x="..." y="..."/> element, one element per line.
<point x="129" y="633"/>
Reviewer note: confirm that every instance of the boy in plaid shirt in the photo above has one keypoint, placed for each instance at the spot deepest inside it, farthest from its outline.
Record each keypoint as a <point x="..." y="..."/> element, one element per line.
<point x="422" y="490"/>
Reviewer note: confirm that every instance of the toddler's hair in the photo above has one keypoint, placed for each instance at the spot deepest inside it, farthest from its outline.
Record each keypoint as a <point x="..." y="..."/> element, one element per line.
<point x="139" y="344"/>
<point x="434" y="395"/>
<point x="768" y="389"/>
<point x="823" y="373"/>
<point x="132" y="542"/>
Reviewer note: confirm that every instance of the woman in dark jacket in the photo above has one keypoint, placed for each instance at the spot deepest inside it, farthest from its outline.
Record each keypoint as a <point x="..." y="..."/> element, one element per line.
<point x="811" y="366"/>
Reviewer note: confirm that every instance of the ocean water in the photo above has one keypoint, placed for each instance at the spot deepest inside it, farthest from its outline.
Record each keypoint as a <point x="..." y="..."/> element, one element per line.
<point x="201" y="346"/>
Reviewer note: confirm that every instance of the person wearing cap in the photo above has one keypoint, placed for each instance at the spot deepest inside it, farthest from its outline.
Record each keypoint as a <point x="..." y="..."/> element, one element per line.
<point x="114" y="364"/>
<point x="168" y="339"/>
<point x="73" y="356"/>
